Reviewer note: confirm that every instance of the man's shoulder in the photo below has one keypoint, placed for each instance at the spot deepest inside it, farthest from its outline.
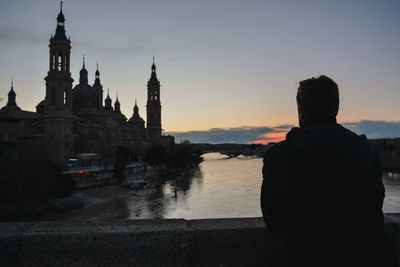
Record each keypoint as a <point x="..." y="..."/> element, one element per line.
<point x="350" y="138"/>
<point x="277" y="151"/>
<point x="349" y="133"/>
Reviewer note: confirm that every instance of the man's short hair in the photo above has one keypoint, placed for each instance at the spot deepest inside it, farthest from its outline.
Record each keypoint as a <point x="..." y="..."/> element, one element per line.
<point x="318" y="98"/>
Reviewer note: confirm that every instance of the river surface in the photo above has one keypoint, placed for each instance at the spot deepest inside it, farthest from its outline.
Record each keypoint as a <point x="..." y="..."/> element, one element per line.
<point x="220" y="188"/>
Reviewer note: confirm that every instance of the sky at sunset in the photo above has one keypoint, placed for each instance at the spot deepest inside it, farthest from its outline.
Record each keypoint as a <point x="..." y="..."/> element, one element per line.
<point x="229" y="70"/>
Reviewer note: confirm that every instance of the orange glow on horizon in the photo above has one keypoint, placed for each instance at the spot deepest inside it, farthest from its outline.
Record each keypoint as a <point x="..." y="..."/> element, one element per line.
<point x="271" y="138"/>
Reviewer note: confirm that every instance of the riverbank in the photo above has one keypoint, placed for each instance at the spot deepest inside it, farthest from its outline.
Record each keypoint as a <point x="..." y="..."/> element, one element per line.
<point x="95" y="199"/>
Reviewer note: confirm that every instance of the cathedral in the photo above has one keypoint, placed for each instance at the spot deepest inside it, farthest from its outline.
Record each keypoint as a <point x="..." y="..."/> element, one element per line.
<point x="72" y="120"/>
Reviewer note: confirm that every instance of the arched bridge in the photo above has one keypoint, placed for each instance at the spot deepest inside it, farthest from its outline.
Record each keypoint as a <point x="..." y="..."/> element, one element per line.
<point x="231" y="150"/>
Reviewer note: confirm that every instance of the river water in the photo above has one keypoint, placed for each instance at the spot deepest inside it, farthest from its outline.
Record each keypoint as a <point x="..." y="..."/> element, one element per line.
<point x="220" y="188"/>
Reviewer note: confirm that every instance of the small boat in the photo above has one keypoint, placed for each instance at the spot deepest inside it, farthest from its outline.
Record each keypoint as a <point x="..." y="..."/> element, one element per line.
<point x="89" y="170"/>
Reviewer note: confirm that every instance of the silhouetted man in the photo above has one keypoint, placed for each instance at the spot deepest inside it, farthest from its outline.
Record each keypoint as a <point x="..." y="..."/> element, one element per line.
<point x="322" y="186"/>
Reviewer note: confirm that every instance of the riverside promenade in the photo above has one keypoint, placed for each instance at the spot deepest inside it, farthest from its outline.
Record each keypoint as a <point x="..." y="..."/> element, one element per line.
<point x="174" y="242"/>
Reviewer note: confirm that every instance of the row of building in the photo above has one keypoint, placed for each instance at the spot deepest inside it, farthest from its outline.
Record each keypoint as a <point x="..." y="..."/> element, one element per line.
<point x="72" y="120"/>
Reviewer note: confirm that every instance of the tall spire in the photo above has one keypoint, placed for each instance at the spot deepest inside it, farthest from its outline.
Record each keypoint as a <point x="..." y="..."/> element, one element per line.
<point x="11" y="96"/>
<point x="98" y="88"/>
<point x="135" y="110"/>
<point x="97" y="76"/>
<point x="108" y="101"/>
<point x="60" y="31"/>
<point x="153" y="67"/>
<point x="117" y="105"/>
<point x="83" y="74"/>
<point x="153" y="70"/>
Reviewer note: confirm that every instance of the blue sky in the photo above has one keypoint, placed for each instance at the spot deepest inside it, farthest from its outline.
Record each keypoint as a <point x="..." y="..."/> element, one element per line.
<point x="222" y="64"/>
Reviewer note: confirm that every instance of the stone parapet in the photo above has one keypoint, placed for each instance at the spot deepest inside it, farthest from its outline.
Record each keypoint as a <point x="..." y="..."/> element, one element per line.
<point x="173" y="242"/>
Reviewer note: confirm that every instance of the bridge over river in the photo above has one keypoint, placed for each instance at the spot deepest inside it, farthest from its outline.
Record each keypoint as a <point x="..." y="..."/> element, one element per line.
<point x="232" y="150"/>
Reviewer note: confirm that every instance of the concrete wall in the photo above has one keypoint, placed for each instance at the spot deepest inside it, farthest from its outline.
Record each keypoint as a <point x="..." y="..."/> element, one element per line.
<point x="216" y="242"/>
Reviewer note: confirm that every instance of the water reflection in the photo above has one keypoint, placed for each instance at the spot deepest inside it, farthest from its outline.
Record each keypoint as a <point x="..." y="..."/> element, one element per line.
<point x="219" y="188"/>
<point x="164" y="197"/>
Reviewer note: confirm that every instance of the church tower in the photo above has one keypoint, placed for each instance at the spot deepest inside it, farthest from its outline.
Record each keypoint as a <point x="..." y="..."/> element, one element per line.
<point x="98" y="89"/>
<point x="11" y="103"/>
<point x="11" y="97"/>
<point x="58" y="118"/>
<point x="153" y="105"/>
<point x="108" y="102"/>
<point x="117" y="105"/>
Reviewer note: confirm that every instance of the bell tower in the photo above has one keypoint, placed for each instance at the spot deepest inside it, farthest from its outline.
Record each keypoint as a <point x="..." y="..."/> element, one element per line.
<point x="98" y="88"/>
<point x="153" y="105"/>
<point x="58" y="116"/>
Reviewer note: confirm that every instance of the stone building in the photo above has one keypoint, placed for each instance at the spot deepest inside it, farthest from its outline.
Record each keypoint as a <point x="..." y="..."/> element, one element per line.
<point x="72" y="120"/>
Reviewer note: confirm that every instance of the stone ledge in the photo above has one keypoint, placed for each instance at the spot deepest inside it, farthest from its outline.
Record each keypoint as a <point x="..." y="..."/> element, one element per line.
<point x="174" y="242"/>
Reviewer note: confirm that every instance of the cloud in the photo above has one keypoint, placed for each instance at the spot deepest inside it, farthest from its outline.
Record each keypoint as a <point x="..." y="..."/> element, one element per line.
<point x="244" y="134"/>
<point x="375" y="129"/>
<point x="247" y="134"/>
<point x="17" y="36"/>
<point x="13" y="36"/>
<point x="133" y="47"/>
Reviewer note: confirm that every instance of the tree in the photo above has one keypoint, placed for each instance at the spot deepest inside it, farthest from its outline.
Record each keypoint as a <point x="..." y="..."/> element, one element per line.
<point x="156" y="154"/>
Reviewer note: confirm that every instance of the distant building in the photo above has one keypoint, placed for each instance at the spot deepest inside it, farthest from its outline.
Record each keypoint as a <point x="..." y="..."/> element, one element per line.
<point x="72" y="120"/>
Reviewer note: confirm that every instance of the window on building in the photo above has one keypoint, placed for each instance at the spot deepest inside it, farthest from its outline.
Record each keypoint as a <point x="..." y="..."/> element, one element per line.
<point x="53" y="67"/>
<point x="65" y="96"/>
<point x="59" y="66"/>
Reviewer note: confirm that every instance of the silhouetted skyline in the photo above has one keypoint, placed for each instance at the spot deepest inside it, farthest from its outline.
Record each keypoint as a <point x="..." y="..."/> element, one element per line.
<point x="222" y="64"/>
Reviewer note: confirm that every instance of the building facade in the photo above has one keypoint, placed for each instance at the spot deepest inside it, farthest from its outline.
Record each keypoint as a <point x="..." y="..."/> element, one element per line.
<point x="72" y="120"/>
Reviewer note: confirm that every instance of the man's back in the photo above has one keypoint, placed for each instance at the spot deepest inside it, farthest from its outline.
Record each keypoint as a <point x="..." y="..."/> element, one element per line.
<point x="322" y="187"/>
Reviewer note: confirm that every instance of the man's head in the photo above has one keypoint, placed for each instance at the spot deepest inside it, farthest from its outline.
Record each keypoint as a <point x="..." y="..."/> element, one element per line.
<point x="317" y="100"/>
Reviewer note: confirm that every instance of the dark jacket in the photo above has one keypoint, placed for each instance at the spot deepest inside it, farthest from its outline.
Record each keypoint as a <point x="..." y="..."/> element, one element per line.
<point x="323" y="189"/>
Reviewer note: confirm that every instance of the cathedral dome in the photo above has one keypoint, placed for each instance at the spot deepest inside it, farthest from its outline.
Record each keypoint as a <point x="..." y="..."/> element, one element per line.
<point x="82" y="97"/>
<point x="136" y="121"/>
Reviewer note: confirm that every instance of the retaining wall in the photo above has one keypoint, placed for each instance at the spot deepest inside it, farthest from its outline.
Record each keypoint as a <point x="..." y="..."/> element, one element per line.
<point x="175" y="242"/>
